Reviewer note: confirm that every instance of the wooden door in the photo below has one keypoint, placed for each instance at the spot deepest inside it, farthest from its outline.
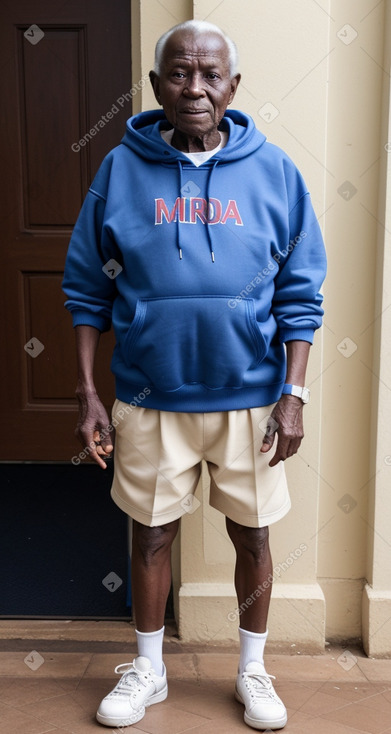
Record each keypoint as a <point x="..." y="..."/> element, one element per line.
<point x="65" y="90"/>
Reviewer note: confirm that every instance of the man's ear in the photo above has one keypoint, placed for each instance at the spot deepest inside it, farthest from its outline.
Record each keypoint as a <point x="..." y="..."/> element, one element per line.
<point x="234" y="85"/>
<point x="155" y="81"/>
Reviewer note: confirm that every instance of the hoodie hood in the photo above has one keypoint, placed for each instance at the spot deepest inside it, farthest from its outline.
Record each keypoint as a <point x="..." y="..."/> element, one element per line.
<point x="144" y="138"/>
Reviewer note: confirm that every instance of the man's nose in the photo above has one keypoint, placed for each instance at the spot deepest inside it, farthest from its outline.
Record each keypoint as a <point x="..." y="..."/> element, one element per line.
<point x="195" y="86"/>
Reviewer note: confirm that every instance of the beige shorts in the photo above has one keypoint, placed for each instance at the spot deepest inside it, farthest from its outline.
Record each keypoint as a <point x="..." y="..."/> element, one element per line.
<point x="157" y="465"/>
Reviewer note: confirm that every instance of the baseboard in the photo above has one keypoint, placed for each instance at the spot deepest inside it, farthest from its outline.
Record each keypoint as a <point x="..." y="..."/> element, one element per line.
<point x="208" y="613"/>
<point x="376" y="622"/>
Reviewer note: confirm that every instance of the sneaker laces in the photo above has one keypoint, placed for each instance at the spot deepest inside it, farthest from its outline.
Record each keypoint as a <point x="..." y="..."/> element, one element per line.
<point x="131" y="682"/>
<point x="260" y="686"/>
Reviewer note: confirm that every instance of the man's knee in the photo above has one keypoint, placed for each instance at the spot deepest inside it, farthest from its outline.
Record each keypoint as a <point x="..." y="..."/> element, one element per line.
<point x="254" y="541"/>
<point x="153" y="542"/>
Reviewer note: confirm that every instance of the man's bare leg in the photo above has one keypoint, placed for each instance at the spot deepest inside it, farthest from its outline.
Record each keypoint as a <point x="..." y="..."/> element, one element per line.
<point x="253" y="571"/>
<point x="151" y="573"/>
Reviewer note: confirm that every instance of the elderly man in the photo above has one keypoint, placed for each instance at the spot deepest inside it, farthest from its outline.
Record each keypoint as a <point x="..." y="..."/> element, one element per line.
<point x="198" y="241"/>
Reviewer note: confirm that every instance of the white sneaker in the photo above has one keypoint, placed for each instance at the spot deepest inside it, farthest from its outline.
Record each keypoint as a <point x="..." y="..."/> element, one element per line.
<point x="138" y="687"/>
<point x="263" y="708"/>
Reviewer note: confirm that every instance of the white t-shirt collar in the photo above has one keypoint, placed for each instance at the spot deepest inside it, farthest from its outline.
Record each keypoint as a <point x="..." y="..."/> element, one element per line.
<point x="203" y="155"/>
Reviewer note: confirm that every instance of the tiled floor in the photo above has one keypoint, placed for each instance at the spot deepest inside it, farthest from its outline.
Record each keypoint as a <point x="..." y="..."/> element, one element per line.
<point x="44" y="689"/>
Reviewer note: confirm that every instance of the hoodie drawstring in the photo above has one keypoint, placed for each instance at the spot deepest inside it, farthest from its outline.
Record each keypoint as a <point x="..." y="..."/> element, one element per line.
<point x="178" y="244"/>
<point x="207" y="210"/>
<point x="208" y="230"/>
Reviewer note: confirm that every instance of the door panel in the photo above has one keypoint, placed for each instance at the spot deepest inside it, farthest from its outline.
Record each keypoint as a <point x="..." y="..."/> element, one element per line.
<point x="63" y="68"/>
<point x="53" y="181"/>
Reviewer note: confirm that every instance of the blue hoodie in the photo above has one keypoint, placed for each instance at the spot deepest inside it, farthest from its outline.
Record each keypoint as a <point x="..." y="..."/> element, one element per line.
<point x="205" y="272"/>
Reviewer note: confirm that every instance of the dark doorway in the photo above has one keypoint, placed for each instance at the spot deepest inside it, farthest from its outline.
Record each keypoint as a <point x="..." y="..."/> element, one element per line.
<point x="63" y="544"/>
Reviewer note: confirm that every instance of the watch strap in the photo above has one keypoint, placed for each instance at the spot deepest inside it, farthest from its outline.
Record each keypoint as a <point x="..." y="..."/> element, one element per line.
<point x="299" y="392"/>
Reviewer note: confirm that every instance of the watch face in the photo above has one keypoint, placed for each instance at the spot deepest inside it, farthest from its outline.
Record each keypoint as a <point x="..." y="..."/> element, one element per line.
<point x="305" y="395"/>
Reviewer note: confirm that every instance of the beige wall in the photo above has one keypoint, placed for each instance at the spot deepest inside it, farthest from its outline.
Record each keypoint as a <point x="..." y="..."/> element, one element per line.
<point x="315" y="78"/>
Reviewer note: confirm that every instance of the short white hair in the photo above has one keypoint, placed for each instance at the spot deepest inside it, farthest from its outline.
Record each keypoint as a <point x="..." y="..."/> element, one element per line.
<point x="197" y="26"/>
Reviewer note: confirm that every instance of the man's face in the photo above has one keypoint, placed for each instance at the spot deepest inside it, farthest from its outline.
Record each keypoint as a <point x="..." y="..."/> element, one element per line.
<point x="195" y="86"/>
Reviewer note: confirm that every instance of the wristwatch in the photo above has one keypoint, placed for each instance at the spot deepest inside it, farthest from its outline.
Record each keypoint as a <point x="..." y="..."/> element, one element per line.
<point x="299" y="392"/>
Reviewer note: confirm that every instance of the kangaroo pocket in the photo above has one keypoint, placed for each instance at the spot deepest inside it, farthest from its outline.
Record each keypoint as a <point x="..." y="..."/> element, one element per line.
<point x="176" y="341"/>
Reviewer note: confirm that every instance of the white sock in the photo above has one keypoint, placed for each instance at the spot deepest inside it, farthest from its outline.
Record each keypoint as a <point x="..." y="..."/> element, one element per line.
<point x="150" y="645"/>
<point x="252" y="645"/>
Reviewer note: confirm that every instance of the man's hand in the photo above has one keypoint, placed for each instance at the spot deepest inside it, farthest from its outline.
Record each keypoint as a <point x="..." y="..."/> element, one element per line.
<point x="286" y="421"/>
<point x="93" y="427"/>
